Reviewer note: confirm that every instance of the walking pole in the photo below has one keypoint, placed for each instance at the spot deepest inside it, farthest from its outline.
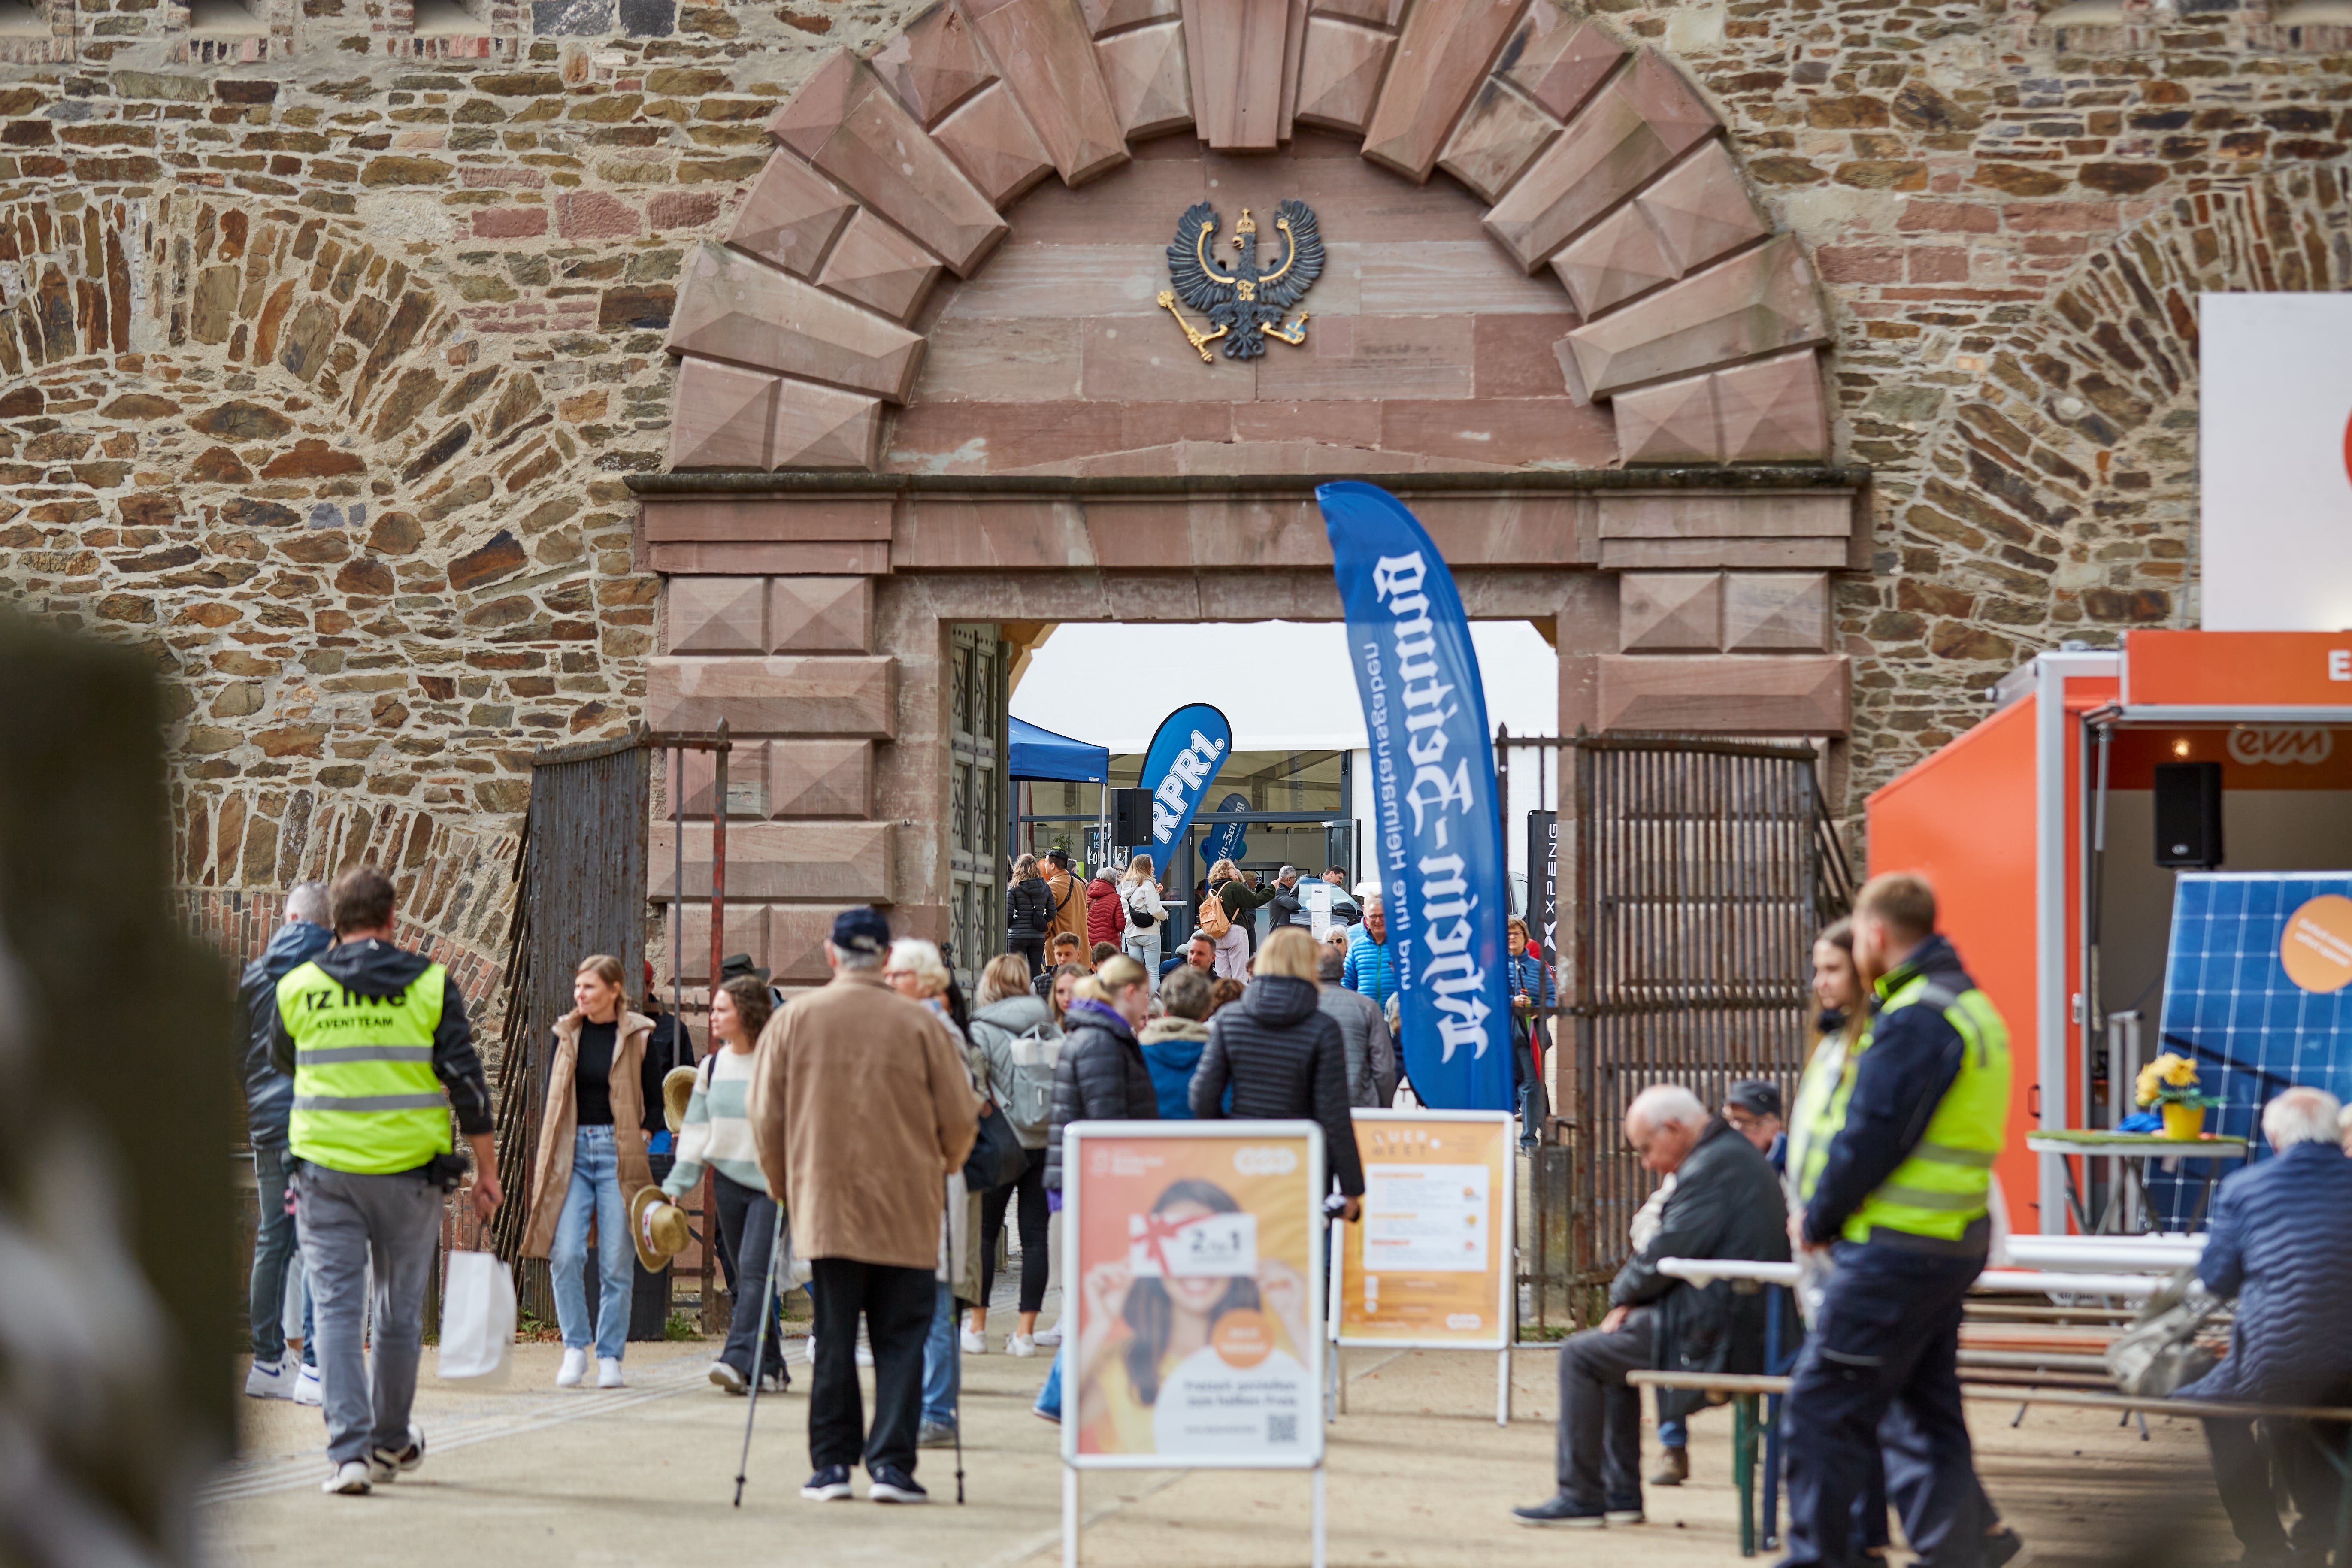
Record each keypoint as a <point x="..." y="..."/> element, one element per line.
<point x="955" y="1349"/>
<point x="759" y="1348"/>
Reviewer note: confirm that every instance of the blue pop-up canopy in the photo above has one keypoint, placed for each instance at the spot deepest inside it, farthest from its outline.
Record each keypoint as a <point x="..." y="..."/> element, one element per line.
<point x="1039" y="753"/>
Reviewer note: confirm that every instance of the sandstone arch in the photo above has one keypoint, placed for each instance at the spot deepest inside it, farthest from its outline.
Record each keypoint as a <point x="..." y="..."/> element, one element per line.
<point x="1594" y="165"/>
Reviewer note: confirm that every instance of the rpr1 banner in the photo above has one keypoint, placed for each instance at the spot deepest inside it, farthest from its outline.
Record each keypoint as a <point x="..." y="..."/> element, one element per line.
<point x="1179" y="767"/>
<point x="1437" y="847"/>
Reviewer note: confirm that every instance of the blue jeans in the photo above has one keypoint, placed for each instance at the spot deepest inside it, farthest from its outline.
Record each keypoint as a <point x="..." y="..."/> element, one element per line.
<point x="595" y="1191"/>
<point x="1672" y="1433"/>
<point x="942" y="1365"/>
<point x="273" y="1249"/>
<point x="1049" y="1398"/>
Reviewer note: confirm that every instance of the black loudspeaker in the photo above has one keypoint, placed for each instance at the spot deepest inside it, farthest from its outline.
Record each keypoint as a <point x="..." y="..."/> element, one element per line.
<point x="1130" y="818"/>
<point x="2189" y="815"/>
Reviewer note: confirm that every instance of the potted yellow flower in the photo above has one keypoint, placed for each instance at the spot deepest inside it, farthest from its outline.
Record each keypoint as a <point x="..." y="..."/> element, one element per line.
<point x="2170" y="1082"/>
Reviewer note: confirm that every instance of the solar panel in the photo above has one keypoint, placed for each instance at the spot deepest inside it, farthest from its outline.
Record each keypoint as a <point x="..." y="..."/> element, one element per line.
<point x="2258" y="993"/>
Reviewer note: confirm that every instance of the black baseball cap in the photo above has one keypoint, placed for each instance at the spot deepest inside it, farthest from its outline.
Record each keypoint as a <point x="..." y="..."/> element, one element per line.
<point x="861" y="930"/>
<point x="1756" y="1096"/>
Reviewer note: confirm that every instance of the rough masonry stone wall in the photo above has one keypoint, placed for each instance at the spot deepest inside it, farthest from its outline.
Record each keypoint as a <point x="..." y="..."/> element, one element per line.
<point x="323" y="354"/>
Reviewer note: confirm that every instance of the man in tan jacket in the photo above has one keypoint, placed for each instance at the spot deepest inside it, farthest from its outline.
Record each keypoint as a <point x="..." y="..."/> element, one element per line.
<point x="860" y="1106"/>
<point x="1069" y="897"/>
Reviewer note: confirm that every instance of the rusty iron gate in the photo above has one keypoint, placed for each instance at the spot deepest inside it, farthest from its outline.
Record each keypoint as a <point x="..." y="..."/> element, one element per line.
<point x="1702" y="871"/>
<point x="1693" y="874"/>
<point x="580" y="887"/>
<point x="978" y="762"/>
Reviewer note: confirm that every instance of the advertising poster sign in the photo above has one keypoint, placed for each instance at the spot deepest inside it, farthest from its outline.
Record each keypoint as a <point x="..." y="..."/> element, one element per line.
<point x="1199" y="1295"/>
<point x="1429" y="1265"/>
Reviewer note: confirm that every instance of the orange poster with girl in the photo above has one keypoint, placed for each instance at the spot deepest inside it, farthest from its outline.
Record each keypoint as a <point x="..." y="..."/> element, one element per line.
<point x="1198" y="1294"/>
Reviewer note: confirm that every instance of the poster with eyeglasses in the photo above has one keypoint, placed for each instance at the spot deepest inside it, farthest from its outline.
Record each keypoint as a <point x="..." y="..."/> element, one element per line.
<point x="1198" y="1293"/>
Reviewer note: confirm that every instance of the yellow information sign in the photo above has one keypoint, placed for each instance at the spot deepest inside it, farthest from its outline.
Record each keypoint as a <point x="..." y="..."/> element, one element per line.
<point x="1431" y="1264"/>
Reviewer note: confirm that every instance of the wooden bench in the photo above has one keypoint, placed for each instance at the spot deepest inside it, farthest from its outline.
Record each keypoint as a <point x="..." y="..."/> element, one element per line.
<point x="1747" y="1390"/>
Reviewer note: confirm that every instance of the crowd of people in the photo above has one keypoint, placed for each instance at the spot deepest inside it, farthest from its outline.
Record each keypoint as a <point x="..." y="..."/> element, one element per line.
<point x="882" y="1131"/>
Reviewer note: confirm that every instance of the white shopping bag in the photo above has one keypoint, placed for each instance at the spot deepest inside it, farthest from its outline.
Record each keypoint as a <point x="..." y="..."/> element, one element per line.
<point x="477" y="1320"/>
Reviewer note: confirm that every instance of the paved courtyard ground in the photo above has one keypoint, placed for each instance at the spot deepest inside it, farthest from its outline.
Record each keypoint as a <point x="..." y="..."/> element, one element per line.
<point x="1420" y="1476"/>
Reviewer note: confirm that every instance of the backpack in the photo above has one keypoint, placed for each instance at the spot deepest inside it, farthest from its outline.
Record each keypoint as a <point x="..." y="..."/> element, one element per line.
<point x="1030" y="1106"/>
<point x="1214" y="923"/>
<point x="1135" y="917"/>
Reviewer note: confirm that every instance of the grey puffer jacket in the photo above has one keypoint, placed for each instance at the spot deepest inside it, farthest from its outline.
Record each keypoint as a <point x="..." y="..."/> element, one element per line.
<point x="1102" y="1077"/>
<point x="1371" y="1050"/>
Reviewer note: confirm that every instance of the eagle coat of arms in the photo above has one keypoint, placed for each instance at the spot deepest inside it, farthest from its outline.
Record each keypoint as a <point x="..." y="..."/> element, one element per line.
<point x="1246" y="303"/>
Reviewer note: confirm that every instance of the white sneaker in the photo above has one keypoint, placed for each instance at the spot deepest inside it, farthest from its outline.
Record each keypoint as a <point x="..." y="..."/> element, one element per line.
<point x="1021" y="1345"/>
<point x="608" y="1372"/>
<point x="306" y="1387"/>
<point x="1050" y="1338"/>
<point x="270" y="1380"/>
<point x="350" y="1479"/>
<point x="973" y="1342"/>
<point x="574" y="1368"/>
<point x="387" y="1464"/>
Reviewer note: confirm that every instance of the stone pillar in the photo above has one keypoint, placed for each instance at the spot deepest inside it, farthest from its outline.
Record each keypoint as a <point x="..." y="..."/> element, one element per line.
<point x="791" y="664"/>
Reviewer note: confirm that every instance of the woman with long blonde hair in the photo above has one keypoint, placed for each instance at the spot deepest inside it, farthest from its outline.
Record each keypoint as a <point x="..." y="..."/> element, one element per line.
<point x="1147" y="916"/>
<point x="1240" y="902"/>
<point x="592" y="1156"/>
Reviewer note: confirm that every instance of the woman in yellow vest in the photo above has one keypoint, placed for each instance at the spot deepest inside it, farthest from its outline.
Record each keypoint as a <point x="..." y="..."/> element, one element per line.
<point x="591" y="1155"/>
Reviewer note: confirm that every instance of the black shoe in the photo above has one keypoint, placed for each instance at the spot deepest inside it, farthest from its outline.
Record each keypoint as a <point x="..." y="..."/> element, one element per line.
<point x="2001" y="1546"/>
<point x="1626" y="1510"/>
<point x="830" y="1484"/>
<point x="891" y="1484"/>
<point x="1562" y="1508"/>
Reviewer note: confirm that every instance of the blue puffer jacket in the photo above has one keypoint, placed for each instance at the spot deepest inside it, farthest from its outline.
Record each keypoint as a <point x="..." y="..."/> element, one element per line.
<point x="268" y="1093"/>
<point x="1371" y="966"/>
<point x="2279" y="1245"/>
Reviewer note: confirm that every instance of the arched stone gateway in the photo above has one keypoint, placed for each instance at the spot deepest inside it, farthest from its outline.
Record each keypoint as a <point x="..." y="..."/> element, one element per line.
<point x="927" y="400"/>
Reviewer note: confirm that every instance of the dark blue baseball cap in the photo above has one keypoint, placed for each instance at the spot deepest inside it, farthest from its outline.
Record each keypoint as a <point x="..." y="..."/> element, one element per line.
<point x="861" y="930"/>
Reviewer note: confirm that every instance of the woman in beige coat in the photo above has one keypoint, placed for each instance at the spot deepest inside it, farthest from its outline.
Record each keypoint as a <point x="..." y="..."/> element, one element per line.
<point x="592" y="1156"/>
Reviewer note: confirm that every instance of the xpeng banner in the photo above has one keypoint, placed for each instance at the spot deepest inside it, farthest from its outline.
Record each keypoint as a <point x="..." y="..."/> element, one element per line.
<point x="1178" y="768"/>
<point x="1438" y="843"/>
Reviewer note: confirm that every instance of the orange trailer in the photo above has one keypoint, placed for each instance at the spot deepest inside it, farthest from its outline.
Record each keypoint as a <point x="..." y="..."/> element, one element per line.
<point x="2037" y="827"/>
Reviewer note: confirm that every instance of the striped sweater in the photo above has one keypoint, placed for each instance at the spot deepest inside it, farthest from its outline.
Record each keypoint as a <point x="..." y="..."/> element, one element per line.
<point x="717" y="1132"/>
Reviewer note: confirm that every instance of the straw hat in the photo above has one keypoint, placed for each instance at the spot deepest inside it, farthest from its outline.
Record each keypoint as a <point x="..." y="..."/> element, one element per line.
<point x="678" y="1089"/>
<point x="658" y="1227"/>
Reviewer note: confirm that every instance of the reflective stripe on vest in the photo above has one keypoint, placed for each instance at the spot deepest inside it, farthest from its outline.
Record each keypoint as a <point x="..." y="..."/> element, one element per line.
<point x="365" y="1099"/>
<point x="1943" y="1187"/>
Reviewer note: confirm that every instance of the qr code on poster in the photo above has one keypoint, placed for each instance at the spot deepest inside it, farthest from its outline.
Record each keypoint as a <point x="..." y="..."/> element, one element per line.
<point x="1282" y="1428"/>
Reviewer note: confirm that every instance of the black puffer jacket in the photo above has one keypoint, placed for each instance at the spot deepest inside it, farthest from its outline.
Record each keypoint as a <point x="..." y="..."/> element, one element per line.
<point x="1285" y="1057"/>
<point x="1028" y="910"/>
<point x="1102" y="1077"/>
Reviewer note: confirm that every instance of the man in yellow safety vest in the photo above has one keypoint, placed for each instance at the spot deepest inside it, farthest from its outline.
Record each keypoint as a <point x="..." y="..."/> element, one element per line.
<point x="1897" y="1158"/>
<point x="376" y="1040"/>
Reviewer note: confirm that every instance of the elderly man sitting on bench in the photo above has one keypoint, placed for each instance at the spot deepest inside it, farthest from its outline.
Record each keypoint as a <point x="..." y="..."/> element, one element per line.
<point x="2278" y="1243"/>
<point x="1726" y="1203"/>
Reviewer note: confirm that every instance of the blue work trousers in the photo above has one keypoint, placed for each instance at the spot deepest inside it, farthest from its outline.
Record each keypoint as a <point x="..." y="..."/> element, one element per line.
<point x="1880" y="1374"/>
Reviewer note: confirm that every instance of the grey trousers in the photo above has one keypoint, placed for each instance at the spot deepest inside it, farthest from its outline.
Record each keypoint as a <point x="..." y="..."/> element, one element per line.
<point x="345" y="1222"/>
<point x="1600" y="1453"/>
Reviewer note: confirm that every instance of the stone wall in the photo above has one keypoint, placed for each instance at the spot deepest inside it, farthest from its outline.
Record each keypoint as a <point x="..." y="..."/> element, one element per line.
<point x="324" y="348"/>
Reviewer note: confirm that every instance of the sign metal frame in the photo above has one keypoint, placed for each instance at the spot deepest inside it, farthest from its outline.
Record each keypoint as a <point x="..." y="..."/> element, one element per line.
<point x="1501" y="1257"/>
<point x="1074" y="1141"/>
